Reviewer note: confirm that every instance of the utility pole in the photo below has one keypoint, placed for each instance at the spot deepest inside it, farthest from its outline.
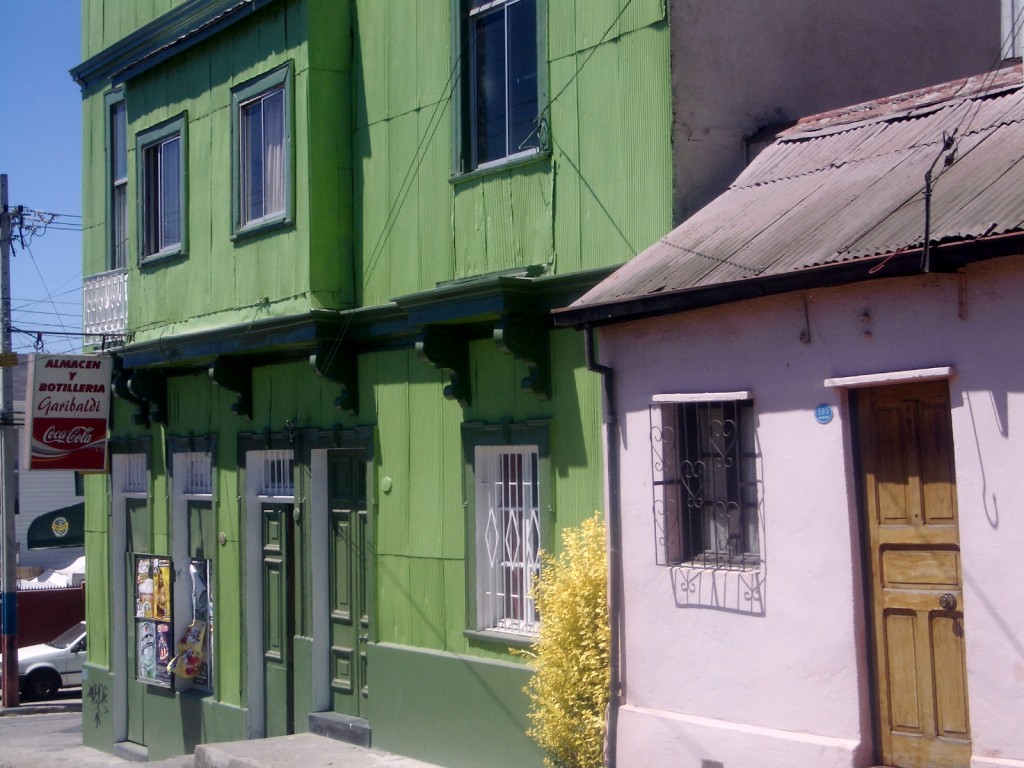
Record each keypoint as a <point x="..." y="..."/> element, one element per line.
<point x="8" y="445"/>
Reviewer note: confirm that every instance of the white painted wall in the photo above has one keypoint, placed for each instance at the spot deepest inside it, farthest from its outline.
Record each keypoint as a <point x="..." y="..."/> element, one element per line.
<point x="728" y="680"/>
<point x="739" y="65"/>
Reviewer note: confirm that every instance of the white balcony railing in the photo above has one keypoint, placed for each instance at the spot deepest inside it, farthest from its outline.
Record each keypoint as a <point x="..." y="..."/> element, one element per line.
<point x="105" y="307"/>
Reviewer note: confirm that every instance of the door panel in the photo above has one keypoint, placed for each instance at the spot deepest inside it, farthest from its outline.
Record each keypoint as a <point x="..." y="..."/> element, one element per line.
<point x="278" y="618"/>
<point x="139" y="538"/>
<point x="908" y="480"/>
<point x="349" y="620"/>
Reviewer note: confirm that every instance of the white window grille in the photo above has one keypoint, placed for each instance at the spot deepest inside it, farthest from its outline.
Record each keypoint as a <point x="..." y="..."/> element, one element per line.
<point x="198" y="467"/>
<point x="508" y="537"/>
<point x="131" y="469"/>
<point x="277" y="478"/>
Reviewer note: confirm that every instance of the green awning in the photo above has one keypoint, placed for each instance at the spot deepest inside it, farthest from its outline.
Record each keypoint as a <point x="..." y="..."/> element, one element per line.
<point x="58" y="529"/>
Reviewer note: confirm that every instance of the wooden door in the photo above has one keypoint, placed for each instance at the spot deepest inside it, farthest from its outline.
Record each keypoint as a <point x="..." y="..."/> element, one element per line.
<point x="906" y="461"/>
<point x="139" y="540"/>
<point x="278" y="618"/>
<point x="349" y="554"/>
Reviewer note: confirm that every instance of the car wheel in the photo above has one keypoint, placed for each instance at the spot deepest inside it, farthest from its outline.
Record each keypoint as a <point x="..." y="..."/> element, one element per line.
<point x="42" y="684"/>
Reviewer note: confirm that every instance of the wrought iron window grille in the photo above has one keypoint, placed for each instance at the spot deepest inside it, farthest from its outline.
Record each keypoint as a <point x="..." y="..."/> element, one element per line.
<point x="705" y="501"/>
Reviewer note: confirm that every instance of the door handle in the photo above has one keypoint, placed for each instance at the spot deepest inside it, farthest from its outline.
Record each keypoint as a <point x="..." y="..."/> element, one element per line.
<point x="948" y="602"/>
<point x="364" y="638"/>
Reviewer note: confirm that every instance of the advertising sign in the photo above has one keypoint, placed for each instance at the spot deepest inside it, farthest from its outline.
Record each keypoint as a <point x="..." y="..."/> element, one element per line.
<point x="153" y="622"/>
<point x="66" y="414"/>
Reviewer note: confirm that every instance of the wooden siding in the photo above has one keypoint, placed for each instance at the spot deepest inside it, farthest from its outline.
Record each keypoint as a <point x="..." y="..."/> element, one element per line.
<point x="104" y="22"/>
<point x="375" y="200"/>
<point x="601" y="197"/>
<point x="286" y="271"/>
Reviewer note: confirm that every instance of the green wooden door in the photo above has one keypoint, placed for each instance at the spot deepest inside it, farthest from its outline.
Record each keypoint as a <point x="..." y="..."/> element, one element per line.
<point x="278" y="618"/>
<point x="349" y="553"/>
<point x="139" y="538"/>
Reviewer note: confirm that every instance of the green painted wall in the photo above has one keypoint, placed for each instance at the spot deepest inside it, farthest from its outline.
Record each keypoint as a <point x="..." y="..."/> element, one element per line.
<point x="221" y="281"/>
<point x="601" y="196"/>
<point x="104" y="22"/>
<point x="378" y="214"/>
<point x="483" y="724"/>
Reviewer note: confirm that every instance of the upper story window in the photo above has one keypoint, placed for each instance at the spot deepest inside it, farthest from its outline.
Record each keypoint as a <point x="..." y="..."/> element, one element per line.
<point x="261" y="177"/>
<point x="161" y="151"/>
<point x="117" y="180"/>
<point x="502" y="115"/>
<point x="705" y="484"/>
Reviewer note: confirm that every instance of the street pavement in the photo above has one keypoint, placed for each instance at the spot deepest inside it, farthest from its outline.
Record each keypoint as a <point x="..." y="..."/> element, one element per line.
<point x="49" y="735"/>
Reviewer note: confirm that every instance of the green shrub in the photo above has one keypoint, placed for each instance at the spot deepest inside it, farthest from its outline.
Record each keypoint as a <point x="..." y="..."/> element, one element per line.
<point x="569" y="690"/>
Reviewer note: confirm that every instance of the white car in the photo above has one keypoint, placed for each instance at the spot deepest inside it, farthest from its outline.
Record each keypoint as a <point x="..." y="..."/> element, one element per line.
<point x="46" y="667"/>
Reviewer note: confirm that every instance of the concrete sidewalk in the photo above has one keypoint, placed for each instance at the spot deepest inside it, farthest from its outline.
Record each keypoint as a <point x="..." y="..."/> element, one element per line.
<point x="304" y="750"/>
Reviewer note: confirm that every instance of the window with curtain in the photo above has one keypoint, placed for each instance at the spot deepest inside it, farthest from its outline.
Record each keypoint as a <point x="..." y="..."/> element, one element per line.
<point x="261" y="162"/>
<point x="262" y="155"/>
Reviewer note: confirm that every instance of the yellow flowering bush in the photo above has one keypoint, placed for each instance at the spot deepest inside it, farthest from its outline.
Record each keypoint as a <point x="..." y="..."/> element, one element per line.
<point x="569" y="690"/>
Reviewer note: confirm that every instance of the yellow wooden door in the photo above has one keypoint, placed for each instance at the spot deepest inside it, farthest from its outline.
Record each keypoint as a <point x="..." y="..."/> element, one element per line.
<point x="909" y="489"/>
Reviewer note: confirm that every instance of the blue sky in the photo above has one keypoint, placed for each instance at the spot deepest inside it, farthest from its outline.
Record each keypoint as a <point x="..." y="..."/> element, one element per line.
<point x="41" y="153"/>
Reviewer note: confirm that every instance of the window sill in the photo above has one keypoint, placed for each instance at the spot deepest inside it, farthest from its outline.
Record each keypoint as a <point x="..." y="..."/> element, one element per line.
<point x="262" y="227"/>
<point x="500" y="166"/>
<point x="162" y="257"/>
<point x="713" y="565"/>
<point x="500" y="637"/>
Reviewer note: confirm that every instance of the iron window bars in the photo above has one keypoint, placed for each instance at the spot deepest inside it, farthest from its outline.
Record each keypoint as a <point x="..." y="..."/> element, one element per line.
<point x="704" y="484"/>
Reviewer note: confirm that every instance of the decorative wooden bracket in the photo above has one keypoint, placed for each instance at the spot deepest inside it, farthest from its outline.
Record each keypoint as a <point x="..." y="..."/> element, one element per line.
<point x="147" y="390"/>
<point x="528" y="338"/>
<point x="448" y="349"/>
<point x="339" y="363"/>
<point x="237" y="377"/>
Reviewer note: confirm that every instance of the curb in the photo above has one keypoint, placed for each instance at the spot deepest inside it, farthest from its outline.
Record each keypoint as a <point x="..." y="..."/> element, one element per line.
<point x="41" y="709"/>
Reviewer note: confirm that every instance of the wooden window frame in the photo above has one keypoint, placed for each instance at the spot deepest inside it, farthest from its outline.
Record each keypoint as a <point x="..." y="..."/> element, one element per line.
<point x="161" y="135"/>
<point x="466" y="151"/>
<point x="244" y="96"/>
<point x="116" y="184"/>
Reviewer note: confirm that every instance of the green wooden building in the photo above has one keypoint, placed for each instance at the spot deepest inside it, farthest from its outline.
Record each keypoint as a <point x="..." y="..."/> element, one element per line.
<point x="322" y="242"/>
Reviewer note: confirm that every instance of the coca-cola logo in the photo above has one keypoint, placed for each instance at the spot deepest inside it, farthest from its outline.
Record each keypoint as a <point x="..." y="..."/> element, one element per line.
<point x="79" y="435"/>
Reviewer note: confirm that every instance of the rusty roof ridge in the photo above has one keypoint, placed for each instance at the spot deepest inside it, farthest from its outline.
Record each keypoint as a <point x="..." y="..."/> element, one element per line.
<point x="922" y="100"/>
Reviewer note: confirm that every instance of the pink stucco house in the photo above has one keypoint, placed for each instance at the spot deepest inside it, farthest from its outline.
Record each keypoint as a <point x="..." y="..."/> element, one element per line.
<point x="816" y="450"/>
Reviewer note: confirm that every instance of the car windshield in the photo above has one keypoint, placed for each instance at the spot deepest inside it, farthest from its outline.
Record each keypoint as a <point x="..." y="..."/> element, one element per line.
<point x="68" y="637"/>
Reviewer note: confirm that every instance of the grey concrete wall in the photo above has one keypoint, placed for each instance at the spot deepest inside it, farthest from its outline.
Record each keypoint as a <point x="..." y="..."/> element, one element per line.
<point x="739" y="65"/>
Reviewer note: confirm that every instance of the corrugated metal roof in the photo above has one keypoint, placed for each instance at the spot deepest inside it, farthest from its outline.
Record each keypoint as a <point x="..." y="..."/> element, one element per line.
<point x="847" y="185"/>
